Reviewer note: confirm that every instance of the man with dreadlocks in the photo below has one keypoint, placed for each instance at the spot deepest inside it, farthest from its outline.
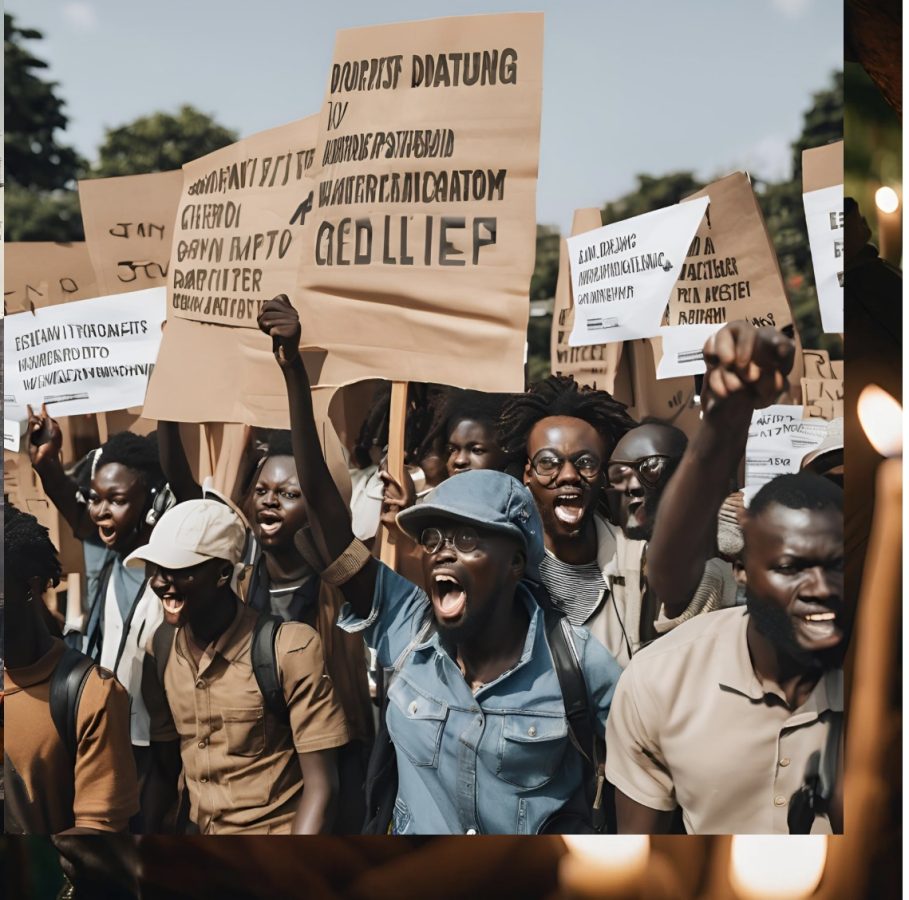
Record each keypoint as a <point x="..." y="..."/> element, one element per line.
<point x="566" y="435"/>
<point x="127" y="496"/>
<point x="48" y="790"/>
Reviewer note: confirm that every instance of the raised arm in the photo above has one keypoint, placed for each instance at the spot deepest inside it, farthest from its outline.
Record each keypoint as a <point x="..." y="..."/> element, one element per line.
<point x="329" y="517"/>
<point x="746" y="370"/>
<point x="45" y="441"/>
<point x="174" y="463"/>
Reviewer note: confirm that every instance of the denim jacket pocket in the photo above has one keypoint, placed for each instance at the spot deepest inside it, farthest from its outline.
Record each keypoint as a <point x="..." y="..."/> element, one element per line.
<point x="415" y="722"/>
<point x="531" y="749"/>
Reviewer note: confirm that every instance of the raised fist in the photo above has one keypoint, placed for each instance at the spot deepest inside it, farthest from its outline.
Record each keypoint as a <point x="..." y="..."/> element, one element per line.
<point x="45" y="439"/>
<point x="281" y="322"/>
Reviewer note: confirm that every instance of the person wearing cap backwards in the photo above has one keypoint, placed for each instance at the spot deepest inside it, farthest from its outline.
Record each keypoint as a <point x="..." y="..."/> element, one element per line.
<point x="475" y="712"/>
<point x="244" y="769"/>
<point x="737" y="716"/>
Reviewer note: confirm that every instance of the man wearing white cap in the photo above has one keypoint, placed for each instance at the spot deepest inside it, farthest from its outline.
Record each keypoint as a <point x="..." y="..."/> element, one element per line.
<point x="244" y="767"/>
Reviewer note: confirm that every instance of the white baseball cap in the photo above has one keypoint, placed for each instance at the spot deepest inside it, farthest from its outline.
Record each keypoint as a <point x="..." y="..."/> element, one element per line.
<point x="193" y="532"/>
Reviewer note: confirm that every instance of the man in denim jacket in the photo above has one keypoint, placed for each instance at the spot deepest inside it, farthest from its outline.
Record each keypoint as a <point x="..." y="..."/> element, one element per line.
<point x="475" y="712"/>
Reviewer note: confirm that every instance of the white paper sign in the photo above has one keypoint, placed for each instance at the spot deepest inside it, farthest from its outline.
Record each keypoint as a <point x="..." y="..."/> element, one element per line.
<point x="778" y="439"/>
<point x="12" y="434"/>
<point x="83" y="357"/>
<point x="824" y="218"/>
<point x="622" y="274"/>
<point x="683" y="349"/>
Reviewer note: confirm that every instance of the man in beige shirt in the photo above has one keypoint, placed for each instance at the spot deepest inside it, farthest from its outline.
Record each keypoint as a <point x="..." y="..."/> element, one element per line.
<point x="243" y="767"/>
<point x="737" y="716"/>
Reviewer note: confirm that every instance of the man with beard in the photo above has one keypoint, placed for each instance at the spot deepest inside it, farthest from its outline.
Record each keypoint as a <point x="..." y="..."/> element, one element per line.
<point x="736" y="717"/>
<point x="475" y="710"/>
<point x="565" y="434"/>
<point x="633" y="616"/>
<point x="246" y="769"/>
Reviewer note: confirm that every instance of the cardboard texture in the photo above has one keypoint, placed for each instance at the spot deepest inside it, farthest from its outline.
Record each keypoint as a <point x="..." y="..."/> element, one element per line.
<point x="242" y="213"/>
<point x="595" y="365"/>
<point x="40" y="273"/>
<point x="129" y="226"/>
<point x="822" y="167"/>
<point x="418" y="264"/>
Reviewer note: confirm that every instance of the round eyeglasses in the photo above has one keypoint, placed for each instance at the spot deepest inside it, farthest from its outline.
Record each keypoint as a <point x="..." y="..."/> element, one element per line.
<point x="547" y="464"/>
<point x="650" y="470"/>
<point x="463" y="538"/>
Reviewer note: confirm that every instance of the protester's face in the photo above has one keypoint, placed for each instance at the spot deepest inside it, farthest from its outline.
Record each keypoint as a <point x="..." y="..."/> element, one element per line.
<point x="567" y="499"/>
<point x="465" y="587"/>
<point x="653" y="450"/>
<point x="189" y="595"/>
<point x="472" y="445"/>
<point x="794" y="582"/>
<point x="279" y="511"/>
<point x="116" y="504"/>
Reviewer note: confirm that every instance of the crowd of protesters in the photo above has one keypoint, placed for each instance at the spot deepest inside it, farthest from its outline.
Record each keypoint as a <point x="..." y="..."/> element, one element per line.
<point x="585" y="629"/>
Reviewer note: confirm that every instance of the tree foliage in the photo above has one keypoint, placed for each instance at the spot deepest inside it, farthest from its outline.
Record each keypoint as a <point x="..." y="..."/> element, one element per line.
<point x="160" y="142"/>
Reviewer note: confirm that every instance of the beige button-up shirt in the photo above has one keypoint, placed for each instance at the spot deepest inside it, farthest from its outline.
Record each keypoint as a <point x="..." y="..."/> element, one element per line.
<point x="240" y="762"/>
<point x="691" y="725"/>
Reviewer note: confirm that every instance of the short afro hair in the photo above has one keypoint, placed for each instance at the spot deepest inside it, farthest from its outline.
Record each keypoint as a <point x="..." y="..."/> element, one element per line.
<point x="560" y="395"/>
<point x="28" y="551"/>
<point x="135" y="452"/>
<point x="461" y="405"/>
<point x="801" y="490"/>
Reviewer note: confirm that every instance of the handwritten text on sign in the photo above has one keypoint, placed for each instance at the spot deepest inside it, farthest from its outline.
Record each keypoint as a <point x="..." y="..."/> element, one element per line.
<point x="83" y="357"/>
<point x="425" y="201"/>
<point x="824" y="218"/>
<point x="237" y="238"/>
<point x="622" y="274"/>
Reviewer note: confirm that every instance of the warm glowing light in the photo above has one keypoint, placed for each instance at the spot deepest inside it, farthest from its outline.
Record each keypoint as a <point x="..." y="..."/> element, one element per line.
<point x="604" y="866"/>
<point x="609" y="849"/>
<point x="777" y="867"/>
<point x="886" y="199"/>
<point x="882" y="420"/>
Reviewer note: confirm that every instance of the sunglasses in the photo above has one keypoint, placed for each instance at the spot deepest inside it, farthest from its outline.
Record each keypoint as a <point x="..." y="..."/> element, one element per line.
<point x="651" y="470"/>
<point x="463" y="538"/>
<point x="548" y="464"/>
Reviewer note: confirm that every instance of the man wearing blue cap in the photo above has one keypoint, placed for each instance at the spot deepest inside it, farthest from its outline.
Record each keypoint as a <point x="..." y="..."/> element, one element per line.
<point x="475" y="710"/>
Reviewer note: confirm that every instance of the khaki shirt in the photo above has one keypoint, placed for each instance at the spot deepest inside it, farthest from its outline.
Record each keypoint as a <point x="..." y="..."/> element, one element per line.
<point x="240" y="762"/>
<point x="101" y="791"/>
<point x="616" y="622"/>
<point x="692" y="726"/>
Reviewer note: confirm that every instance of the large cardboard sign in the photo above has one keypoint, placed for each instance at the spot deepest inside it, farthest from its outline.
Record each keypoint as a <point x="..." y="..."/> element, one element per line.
<point x="596" y="364"/>
<point x="129" y="225"/>
<point x="419" y="262"/>
<point x="40" y="273"/>
<point x="822" y="177"/>
<point x="622" y="273"/>
<point x="82" y="357"/>
<point x="238" y="233"/>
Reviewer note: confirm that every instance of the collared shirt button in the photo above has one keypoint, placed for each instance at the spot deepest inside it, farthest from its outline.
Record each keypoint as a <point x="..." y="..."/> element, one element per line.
<point x="200" y="683"/>
<point x="203" y="744"/>
<point x="784" y="761"/>
<point x="532" y="731"/>
<point x="779" y="800"/>
<point x="471" y="831"/>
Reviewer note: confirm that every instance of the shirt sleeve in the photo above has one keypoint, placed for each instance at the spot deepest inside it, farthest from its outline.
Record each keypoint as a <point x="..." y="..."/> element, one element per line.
<point x="398" y="611"/>
<point x="161" y="725"/>
<point x="601" y="672"/>
<point x="634" y="762"/>
<point x="716" y="590"/>
<point x="316" y="718"/>
<point x="106" y="785"/>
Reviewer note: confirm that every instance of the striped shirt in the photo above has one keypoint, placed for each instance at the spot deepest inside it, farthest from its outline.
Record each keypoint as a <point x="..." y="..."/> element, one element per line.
<point x="575" y="590"/>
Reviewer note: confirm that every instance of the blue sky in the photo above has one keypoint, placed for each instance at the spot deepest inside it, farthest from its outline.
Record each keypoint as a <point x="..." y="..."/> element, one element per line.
<point x="651" y="86"/>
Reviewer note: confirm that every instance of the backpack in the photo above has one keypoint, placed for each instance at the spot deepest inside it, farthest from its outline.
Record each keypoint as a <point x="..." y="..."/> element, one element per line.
<point x="264" y="661"/>
<point x="66" y="686"/>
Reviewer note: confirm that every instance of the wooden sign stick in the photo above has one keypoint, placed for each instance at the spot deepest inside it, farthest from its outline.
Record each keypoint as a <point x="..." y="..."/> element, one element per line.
<point x="396" y="420"/>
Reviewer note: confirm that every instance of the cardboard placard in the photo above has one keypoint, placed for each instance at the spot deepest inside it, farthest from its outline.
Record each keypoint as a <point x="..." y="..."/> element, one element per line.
<point x="82" y="357"/>
<point x="822" y="185"/>
<point x="823" y="397"/>
<point x="40" y="273"/>
<point x="596" y="364"/>
<point x="419" y="262"/>
<point x="129" y="225"/>
<point x="622" y="274"/>
<point x="242" y="212"/>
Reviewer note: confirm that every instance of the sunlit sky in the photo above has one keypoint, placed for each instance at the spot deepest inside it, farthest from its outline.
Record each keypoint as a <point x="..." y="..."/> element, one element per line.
<point x="629" y="87"/>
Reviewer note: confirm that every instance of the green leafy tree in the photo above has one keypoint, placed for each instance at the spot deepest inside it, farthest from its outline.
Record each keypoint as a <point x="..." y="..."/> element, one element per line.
<point x="650" y="194"/>
<point x="160" y="142"/>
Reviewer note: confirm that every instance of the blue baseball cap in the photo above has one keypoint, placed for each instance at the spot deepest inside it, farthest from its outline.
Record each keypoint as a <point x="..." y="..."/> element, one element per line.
<point x="488" y="499"/>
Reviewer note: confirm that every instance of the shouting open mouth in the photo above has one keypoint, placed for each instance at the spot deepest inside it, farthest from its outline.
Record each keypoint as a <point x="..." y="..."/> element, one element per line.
<point x="568" y="507"/>
<point x="448" y="595"/>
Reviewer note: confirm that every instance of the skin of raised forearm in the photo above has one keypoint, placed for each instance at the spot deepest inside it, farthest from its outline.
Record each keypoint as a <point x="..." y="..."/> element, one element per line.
<point x="61" y="490"/>
<point x="174" y="463"/>
<point x="684" y="536"/>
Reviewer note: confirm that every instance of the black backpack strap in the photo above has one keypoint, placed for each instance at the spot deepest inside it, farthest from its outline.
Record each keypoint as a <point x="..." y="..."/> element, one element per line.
<point x="265" y="665"/>
<point x="66" y="686"/>
<point x="162" y="644"/>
